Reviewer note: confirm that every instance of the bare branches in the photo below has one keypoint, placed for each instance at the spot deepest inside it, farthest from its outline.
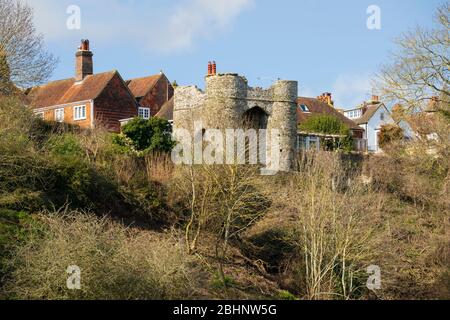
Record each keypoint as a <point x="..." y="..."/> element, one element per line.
<point x="28" y="61"/>
<point x="420" y="70"/>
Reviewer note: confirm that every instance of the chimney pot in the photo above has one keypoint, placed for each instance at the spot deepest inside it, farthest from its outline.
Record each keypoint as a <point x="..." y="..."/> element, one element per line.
<point x="209" y="68"/>
<point x="326" y="97"/>
<point x="214" y="68"/>
<point x="84" y="45"/>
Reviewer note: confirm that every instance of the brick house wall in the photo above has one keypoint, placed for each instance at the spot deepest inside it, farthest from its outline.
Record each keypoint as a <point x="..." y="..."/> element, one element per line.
<point x="49" y="114"/>
<point x="115" y="103"/>
<point x="162" y="92"/>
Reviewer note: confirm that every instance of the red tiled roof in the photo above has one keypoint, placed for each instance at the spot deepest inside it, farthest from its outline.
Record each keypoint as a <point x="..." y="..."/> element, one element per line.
<point x="141" y="86"/>
<point x="316" y="106"/>
<point x="68" y="91"/>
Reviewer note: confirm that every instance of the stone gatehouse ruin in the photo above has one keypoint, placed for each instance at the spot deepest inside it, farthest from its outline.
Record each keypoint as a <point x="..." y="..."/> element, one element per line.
<point x="229" y="103"/>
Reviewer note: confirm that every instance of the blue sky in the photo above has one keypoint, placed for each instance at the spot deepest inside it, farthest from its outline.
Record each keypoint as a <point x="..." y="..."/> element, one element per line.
<point x="324" y="44"/>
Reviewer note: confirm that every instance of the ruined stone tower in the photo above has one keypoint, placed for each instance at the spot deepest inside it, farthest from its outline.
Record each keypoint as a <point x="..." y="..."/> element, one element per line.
<point x="228" y="102"/>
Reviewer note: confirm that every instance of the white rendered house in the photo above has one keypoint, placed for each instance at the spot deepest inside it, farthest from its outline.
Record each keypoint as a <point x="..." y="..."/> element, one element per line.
<point x="371" y="116"/>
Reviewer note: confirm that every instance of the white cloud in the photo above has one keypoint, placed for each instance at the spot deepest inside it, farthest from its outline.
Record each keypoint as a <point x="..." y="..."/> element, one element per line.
<point x="164" y="28"/>
<point x="198" y="19"/>
<point x="350" y="90"/>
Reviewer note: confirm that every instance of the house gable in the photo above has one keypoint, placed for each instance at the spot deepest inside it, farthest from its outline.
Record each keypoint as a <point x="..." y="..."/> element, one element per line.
<point x="380" y="117"/>
<point x="115" y="103"/>
<point x="152" y="92"/>
<point x="374" y="125"/>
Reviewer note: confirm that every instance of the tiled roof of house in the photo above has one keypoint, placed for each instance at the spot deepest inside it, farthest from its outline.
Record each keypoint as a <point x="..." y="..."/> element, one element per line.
<point x="166" y="111"/>
<point x="68" y="91"/>
<point x="368" y="114"/>
<point x="316" y="106"/>
<point x="140" y="87"/>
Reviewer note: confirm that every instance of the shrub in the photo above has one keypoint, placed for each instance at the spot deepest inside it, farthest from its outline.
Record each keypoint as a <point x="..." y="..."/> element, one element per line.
<point x="115" y="262"/>
<point x="144" y="136"/>
<point x="390" y="134"/>
<point x="65" y="145"/>
<point x="327" y="124"/>
<point x="322" y="229"/>
<point x="13" y="232"/>
<point x="414" y="175"/>
<point x="286" y="295"/>
<point x="338" y="223"/>
<point x="222" y="201"/>
<point x="44" y="165"/>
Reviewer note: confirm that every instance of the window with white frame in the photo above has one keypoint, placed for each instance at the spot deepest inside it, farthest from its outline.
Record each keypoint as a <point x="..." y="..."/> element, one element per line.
<point x="59" y="115"/>
<point x="144" y="113"/>
<point x="40" y="115"/>
<point x="79" y="113"/>
<point x="354" y="114"/>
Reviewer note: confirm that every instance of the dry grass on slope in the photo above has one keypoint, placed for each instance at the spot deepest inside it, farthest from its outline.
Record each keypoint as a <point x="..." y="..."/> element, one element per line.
<point x="115" y="262"/>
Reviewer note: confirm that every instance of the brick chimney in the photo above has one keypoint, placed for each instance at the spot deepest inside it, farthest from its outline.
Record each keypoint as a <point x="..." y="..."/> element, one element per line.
<point x="326" y="98"/>
<point x="375" y="99"/>
<point x="209" y="68"/>
<point x="214" y="68"/>
<point x="84" y="62"/>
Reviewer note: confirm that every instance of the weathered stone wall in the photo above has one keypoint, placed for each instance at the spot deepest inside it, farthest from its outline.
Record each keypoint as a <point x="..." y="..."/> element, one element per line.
<point x="226" y="100"/>
<point x="284" y="119"/>
<point x="188" y="107"/>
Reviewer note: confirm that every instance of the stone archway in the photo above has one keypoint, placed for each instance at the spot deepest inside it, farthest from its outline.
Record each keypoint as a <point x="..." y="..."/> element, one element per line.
<point x="255" y="118"/>
<point x="253" y="121"/>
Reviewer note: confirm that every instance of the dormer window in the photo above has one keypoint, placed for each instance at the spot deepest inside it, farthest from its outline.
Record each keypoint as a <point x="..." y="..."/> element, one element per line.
<point x="354" y="114"/>
<point x="304" y="108"/>
<point x="144" y="113"/>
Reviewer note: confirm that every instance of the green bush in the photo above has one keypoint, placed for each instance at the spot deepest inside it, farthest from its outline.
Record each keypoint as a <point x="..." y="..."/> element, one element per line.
<point x="286" y="295"/>
<point x="325" y="124"/>
<point x="67" y="145"/>
<point x="144" y="136"/>
<point x="13" y="233"/>
<point x="329" y="125"/>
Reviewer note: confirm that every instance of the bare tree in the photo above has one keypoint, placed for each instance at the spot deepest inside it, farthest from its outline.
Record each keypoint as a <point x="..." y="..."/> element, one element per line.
<point x="223" y="203"/>
<point x="420" y="68"/>
<point x="22" y="49"/>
